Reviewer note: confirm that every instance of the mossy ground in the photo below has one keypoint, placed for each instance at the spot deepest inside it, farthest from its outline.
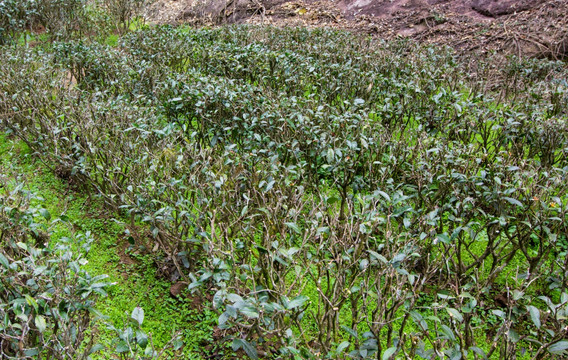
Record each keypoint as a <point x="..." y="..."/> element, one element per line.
<point x="135" y="283"/>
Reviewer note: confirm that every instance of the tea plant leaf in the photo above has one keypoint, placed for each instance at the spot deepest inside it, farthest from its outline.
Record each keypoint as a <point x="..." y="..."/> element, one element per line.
<point x="513" y="335"/>
<point x="447" y="332"/>
<point x="178" y="343"/>
<point x="40" y="323"/>
<point x="455" y="314"/>
<point x="46" y="215"/>
<point x="558" y="348"/>
<point x="297" y="302"/>
<point x="444" y="238"/>
<point x="31" y="352"/>
<point x="138" y="315"/>
<point x="513" y="201"/>
<point x="330" y="155"/>
<point x="95" y="348"/>
<point x="141" y="338"/>
<point x="4" y="261"/>
<point x="122" y="347"/>
<point x="294" y="227"/>
<point x="246" y="346"/>
<point x="223" y="318"/>
<point x="388" y="353"/>
<point x="341" y="347"/>
<point x="378" y="256"/>
<point x="249" y="312"/>
<point x="350" y="331"/>
<point x="32" y="302"/>
<point x="535" y="315"/>
<point x="478" y="351"/>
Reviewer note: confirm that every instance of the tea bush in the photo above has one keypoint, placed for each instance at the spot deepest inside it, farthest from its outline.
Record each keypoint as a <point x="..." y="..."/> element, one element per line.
<point x="14" y="16"/>
<point x="336" y="195"/>
<point x="46" y="298"/>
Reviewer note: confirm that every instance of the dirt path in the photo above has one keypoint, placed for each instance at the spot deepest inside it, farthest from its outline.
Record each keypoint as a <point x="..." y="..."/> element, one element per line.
<point x="521" y="27"/>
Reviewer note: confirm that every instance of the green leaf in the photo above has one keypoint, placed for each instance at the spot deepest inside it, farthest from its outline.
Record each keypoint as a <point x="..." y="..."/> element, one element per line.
<point x="389" y="352"/>
<point x="250" y="350"/>
<point x="444" y="238"/>
<point x="31" y="352"/>
<point x="384" y="194"/>
<point x="350" y="331"/>
<point x="535" y="315"/>
<point x="513" y="201"/>
<point x="178" y="343"/>
<point x="455" y="314"/>
<point x="141" y="338"/>
<point x="298" y="301"/>
<point x="434" y="318"/>
<point x="95" y="348"/>
<point x="517" y="295"/>
<point x="122" y="347"/>
<point x="330" y="201"/>
<point x="270" y="185"/>
<point x="31" y="301"/>
<point x="138" y="315"/>
<point x="40" y="323"/>
<point x="419" y="320"/>
<point x="378" y="256"/>
<point x="235" y="298"/>
<point x="514" y="336"/>
<point x="294" y="227"/>
<point x="498" y="313"/>
<point x="223" y="318"/>
<point x="358" y="101"/>
<point x="478" y="351"/>
<point x="558" y="348"/>
<point x="149" y="351"/>
<point x="45" y="214"/>
<point x="4" y="261"/>
<point x="246" y="346"/>
<point x="344" y="345"/>
<point x="330" y="155"/>
<point x="250" y="312"/>
<point x="447" y="332"/>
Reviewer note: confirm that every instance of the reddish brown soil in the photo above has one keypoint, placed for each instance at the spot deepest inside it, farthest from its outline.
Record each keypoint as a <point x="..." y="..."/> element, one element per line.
<point x="123" y="252"/>
<point x="521" y="27"/>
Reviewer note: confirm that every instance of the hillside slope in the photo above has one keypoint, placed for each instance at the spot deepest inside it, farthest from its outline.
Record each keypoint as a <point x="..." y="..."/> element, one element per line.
<point x="521" y="27"/>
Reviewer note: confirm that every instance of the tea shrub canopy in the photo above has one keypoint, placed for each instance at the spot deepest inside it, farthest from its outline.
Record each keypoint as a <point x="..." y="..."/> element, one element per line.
<point x="336" y="195"/>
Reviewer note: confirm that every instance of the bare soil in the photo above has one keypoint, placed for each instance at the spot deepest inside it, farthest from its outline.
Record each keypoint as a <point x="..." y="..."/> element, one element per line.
<point x="521" y="27"/>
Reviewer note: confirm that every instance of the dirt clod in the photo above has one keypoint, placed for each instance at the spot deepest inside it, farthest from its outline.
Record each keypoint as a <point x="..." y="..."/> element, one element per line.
<point x="178" y="288"/>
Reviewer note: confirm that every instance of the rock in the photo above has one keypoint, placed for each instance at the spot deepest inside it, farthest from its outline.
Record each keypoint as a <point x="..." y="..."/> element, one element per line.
<point x="495" y="8"/>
